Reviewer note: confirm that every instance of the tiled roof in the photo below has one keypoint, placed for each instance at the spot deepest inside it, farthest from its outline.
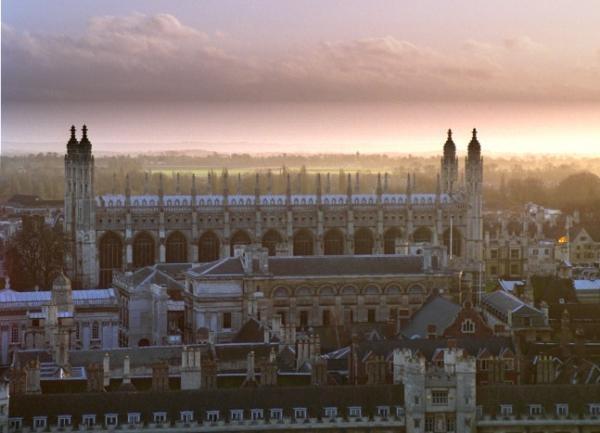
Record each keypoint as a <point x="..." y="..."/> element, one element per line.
<point x="438" y="311"/>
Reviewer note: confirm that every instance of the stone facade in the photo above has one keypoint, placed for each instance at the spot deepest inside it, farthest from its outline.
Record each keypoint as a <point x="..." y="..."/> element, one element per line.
<point x="122" y="232"/>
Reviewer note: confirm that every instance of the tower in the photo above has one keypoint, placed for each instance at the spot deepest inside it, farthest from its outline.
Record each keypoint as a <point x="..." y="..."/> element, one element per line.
<point x="474" y="196"/>
<point x="449" y="165"/>
<point x="80" y="212"/>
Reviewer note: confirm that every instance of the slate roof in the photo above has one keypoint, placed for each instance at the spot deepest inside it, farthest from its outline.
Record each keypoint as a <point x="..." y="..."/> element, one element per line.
<point x="504" y="302"/>
<point x="437" y="311"/>
<point x="520" y="396"/>
<point x="199" y="401"/>
<point x="13" y="299"/>
<point x="321" y="266"/>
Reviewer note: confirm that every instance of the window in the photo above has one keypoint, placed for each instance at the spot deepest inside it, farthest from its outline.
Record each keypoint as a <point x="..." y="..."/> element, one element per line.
<point x="595" y="409"/>
<point x="535" y="409"/>
<point x="562" y="409"/>
<point x="439" y="397"/>
<point x="468" y="326"/>
<point x="227" y="320"/>
<point x="282" y="315"/>
<point x="14" y="334"/>
<point x="133" y="418"/>
<point x="514" y="253"/>
<point x="95" y="331"/>
<point x="417" y="399"/>
<point x="417" y="423"/>
<point x="39" y="422"/>
<point x="483" y="364"/>
<point x="64" y="421"/>
<point x="330" y="412"/>
<point x="508" y="364"/>
<point x="326" y="317"/>
<point x="299" y="412"/>
<point x="514" y="269"/>
<point x="371" y="315"/>
<point x="15" y="424"/>
<point x="303" y="318"/>
<point x="494" y="254"/>
<point x="212" y="415"/>
<point x="110" y="419"/>
<point x="493" y="270"/>
<point x="236" y="414"/>
<point x="354" y="411"/>
<point x="186" y="416"/>
<point x="534" y="252"/>
<point x="276" y="414"/>
<point x="383" y="411"/>
<point x="429" y="424"/>
<point x="88" y="420"/>
<point x="506" y="409"/>
<point x="159" y="417"/>
<point x="451" y="423"/>
<point x="399" y="411"/>
<point x="257" y="414"/>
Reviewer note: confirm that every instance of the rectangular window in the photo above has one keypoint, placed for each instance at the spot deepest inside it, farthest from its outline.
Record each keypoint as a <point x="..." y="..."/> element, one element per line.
<point x="257" y="414"/>
<point x="439" y="397"/>
<point x="451" y="423"/>
<point x="236" y="415"/>
<point x="595" y="409"/>
<point x="506" y="409"/>
<point x="429" y="424"/>
<point x="15" y="424"/>
<point x="326" y="317"/>
<point x="393" y="313"/>
<point x="282" y="316"/>
<point x="227" y="320"/>
<point x="483" y="364"/>
<point x="355" y="411"/>
<point x="303" y="318"/>
<point x="110" y="419"/>
<point x="330" y="412"/>
<point x="562" y="409"/>
<point x="535" y="409"/>
<point x="88" y="420"/>
<point x="417" y="423"/>
<point x="39" y="422"/>
<point x="212" y="415"/>
<point x="186" y="416"/>
<point x="159" y="417"/>
<point x="299" y="412"/>
<point x="514" y="253"/>
<point x="276" y="414"/>
<point x="133" y="418"/>
<point x="383" y="411"/>
<point x="371" y="315"/>
<point x="64" y="420"/>
<point x="494" y="254"/>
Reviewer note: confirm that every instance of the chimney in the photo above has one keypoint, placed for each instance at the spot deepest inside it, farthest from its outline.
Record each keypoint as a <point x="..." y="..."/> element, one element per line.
<point x="431" y="331"/>
<point x="318" y="374"/>
<point x="160" y="377"/>
<point x="94" y="378"/>
<point x="126" y="371"/>
<point x="191" y="368"/>
<point x="269" y="370"/>
<point x="209" y="374"/>
<point x="32" y="371"/>
<point x="106" y="371"/>
<point x="250" y="371"/>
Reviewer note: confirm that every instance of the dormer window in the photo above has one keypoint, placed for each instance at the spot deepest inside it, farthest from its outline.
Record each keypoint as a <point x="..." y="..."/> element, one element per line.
<point x="506" y="409"/>
<point x="133" y="418"/>
<point x="236" y="415"/>
<point x="39" y="422"/>
<point x="383" y="411"/>
<point x="299" y="412"/>
<point x="257" y="414"/>
<point x="212" y="415"/>
<point x="535" y="409"/>
<point x="111" y="419"/>
<point x="186" y="416"/>
<point x="63" y="421"/>
<point x="595" y="409"/>
<point x="276" y="414"/>
<point x="562" y="409"/>
<point x="330" y="412"/>
<point x="354" y="411"/>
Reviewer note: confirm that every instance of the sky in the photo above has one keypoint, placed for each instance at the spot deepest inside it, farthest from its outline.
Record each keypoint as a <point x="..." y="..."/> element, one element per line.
<point x="302" y="76"/>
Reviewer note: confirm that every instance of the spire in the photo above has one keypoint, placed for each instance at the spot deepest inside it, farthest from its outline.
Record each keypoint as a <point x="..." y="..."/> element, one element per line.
<point x="146" y="183"/>
<point x="318" y="188"/>
<point x="161" y="189"/>
<point x="225" y="180"/>
<point x="328" y="184"/>
<point x="379" y="189"/>
<point x="288" y="190"/>
<point x="238" y="189"/>
<point x="449" y="147"/>
<point x="349" y="188"/>
<point x="193" y="190"/>
<point x="257" y="187"/>
<point x="85" y="142"/>
<point x="127" y="190"/>
<point x="408" y="186"/>
<point x="72" y="143"/>
<point x="114" y="183"/>
<point x="474" y="146"/>
<point x="178" y="185"/>
<point x="269" y="182"/>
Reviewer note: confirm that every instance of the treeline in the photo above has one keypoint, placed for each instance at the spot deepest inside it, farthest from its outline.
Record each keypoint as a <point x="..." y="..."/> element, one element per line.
<point x="559" y="182"/>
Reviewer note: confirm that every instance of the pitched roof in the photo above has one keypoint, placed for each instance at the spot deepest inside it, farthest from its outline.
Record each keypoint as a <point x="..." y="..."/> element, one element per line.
<point x="437" y="311"/>
<point x="320" y="266"/>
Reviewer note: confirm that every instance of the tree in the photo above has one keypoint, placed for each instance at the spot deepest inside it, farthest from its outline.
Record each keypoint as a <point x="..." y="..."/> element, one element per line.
<point x="34" y="254"/>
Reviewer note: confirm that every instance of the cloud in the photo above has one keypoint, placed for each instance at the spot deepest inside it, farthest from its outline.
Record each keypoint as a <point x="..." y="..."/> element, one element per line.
<point x="141" y="58"/>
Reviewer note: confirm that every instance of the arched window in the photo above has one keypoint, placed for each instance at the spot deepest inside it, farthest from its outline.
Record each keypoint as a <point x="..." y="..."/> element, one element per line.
<point x="456" y="241"/>
<point x="303" y="243"/>
<point x="143" y="250"/>
<point x="389" y="240"/>
<point x="363" y="241"/>
<point x="176" y="248"/>
<point x="110" y="257"/>
<point x="468" y="326"/>
<point x="208" y="247"/>
<point x="422" y="235"/>
<point x="239" y="238"/>
<point x="333" y="243"/>
<point x="270" y="240"/>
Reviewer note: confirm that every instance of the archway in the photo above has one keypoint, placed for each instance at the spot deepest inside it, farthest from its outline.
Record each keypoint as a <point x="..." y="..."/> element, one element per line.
<point x="143" y="250"/>
<point x="208" y="247"/>
<point x="270" y="240"/>
<point x="176" y="248"/>
<point x="456" y="241"/>
<point x="303" y="243"/>
<point x="422" y="235"/>
<point x="333" y="243"/>
<point x="363" y="241"/>
<point x="239" y="238"/>
<point x="110" y="257"/>
<point x="389" y="240"/>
